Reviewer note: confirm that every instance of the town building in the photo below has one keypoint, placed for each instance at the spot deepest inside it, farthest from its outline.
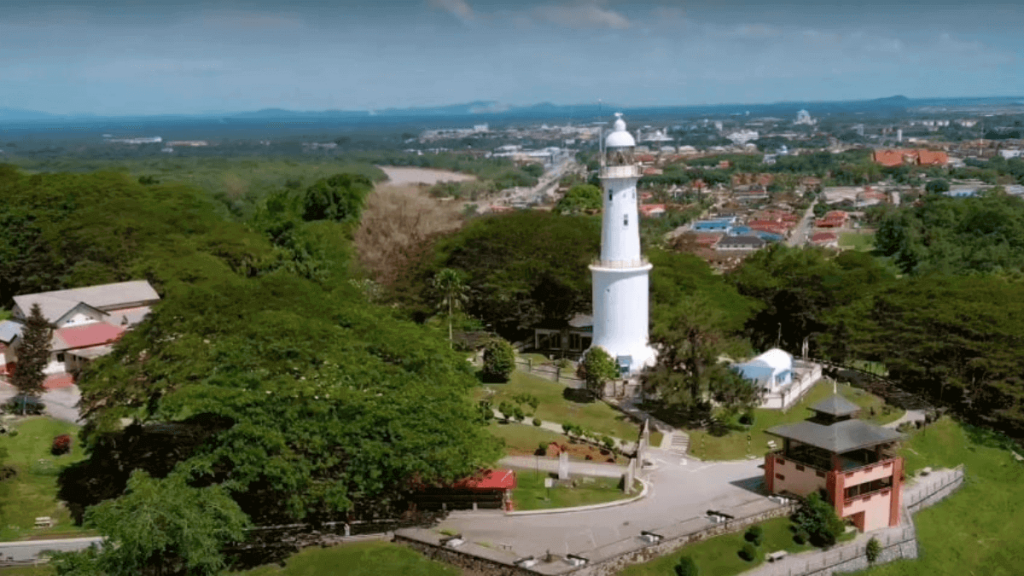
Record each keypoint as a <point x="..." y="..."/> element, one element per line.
<point x="740" y="243"/>
<point x="852" y="462"/>
<point x="621" y="275"/>
<point x="85" y="323"/>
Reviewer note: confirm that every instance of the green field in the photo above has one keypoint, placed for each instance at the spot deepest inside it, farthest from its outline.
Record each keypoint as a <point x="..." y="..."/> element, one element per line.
<point x="31" y="492"/>
<point x="530" y="493"/>
<point x="361" y="559"/>
<point x="596" y="416"/>
<point x="733" y="445"/>
<point x="719" y="556"/>
<point x="42" y="570"/>
<point x="862" y="242"/>
<point x="978" y="529"/>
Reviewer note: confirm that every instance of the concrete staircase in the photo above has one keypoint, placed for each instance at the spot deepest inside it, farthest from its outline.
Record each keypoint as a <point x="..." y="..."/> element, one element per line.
<point x="679" y="442"/>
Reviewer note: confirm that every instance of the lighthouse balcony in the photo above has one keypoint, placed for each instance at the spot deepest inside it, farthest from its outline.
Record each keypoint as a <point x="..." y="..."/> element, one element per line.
<point x="627" y="171"/>
<point x="641" y="262"/>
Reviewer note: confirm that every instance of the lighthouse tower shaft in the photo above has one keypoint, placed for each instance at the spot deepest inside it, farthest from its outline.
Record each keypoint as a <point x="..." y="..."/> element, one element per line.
<point x="620" y="276"/>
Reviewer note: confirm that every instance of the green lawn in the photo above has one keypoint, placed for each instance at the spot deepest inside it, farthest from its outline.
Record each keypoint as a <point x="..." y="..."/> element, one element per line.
<point x="41" y="570"/>
<point x="530" y="493"/>
<point x="719" y="556"/>
<point x="4" y="314"/>
<point x="31" y="492"/>
<point x="596" y="416"/>
<point x="733" y="445"/>
<point x="978" y="530"/>
<point x="359" y="559"/>
<point x="861" y="242"/>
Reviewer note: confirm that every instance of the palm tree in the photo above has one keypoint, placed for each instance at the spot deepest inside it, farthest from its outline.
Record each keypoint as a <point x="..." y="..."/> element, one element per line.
<point x="453" y="293"/>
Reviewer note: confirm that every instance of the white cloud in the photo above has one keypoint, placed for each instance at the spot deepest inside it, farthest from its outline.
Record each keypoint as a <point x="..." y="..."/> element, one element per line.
<point x="583" y="15"/>
<point x="458" y="8"/>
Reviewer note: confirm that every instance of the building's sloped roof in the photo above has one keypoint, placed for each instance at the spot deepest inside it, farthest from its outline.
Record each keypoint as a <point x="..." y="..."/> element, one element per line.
<point x="741" y="241"/>
<point x="490" y="480"/>
<point x="839" y="437"/>
<point x="94" y="334"/>
<point x="8" y="330"/>
<point x="57" y="303"/>
<point x="836" y="405"/>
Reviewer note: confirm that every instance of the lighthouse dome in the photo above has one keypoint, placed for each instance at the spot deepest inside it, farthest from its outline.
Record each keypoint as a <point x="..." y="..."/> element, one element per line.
<point x="619" y="138"/>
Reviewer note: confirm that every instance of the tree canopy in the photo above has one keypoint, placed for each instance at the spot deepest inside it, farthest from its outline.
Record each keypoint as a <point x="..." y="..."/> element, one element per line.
<point x="579" y="199"/>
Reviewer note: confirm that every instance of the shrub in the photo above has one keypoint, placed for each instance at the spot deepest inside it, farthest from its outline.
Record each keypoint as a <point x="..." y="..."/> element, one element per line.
<point x="518" y="413"/>
<point x="873" y="549"/>
<point x="800" y="537"/>
<point x="818" y="520"/>
<point x="542" y="449"/>
<point x="597" y="368"/>
<point x="748" y="552"/>
<point x="687" y="567"/>
<point x="747" y="419"/>
<point x="754" y="535"/>
<point x="61" y="445"/>
<point x="566" y="428"/>
<point x="499" y="361"/>
<point x="536" y="422"/>
<point x="507" y="411"/>
<point x="608" y="442"/>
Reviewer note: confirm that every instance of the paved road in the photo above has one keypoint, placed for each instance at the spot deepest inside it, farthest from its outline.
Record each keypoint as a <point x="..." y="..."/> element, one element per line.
<point x="61" y="403"/>
<point x="29" y="550"/>
<point x="678" y="492"/>
<point x="799" y="236"/>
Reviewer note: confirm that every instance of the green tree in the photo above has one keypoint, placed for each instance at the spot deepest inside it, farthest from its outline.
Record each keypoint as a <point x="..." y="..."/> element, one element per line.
<point x="159" y="527"/>
<point x="818" y="519"/>
<point x="873" y="550"/>
<point x="523" y="269"/>
<point x="499" y="361"/>
<point x="597" y="368"/>
<point x="936" y="186"/>
<point x="579" y="199"/>
<point x="339" y="198"/>
<point x="453" y="293"/>
<point x="33" y="355"/>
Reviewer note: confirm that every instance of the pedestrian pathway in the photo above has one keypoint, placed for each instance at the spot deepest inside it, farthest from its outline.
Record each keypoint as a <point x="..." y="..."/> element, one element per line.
<point x="622" y="445"/>
<point x="909" y="416"/>
<point x="575" y="467"/>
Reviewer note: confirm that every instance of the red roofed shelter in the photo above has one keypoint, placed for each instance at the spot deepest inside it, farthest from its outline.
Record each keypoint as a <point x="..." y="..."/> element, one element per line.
<point x="486" y="489"/>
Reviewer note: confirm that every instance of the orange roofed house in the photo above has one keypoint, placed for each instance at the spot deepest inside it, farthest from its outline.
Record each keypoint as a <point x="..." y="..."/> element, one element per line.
<point x="910" y="157"/>
<point x="853" y="462"/>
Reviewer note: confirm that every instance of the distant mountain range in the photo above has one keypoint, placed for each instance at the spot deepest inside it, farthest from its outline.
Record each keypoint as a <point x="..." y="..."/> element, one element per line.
<point x="491" y="109"/>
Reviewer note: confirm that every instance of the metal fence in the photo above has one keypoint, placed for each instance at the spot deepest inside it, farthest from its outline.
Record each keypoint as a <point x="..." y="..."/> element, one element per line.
<point x="551" y="372"/>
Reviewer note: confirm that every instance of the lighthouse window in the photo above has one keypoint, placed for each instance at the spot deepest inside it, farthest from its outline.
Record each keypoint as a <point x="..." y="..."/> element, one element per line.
<point x="625" y="219"/>
<point x="609" y="194"/>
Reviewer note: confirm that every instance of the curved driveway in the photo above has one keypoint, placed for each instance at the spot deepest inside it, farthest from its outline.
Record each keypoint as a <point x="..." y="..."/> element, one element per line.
<point x="678" y="492"/>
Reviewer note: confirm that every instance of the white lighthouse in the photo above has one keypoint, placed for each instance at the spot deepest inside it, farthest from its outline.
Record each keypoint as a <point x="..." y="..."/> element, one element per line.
<point x="621" y="274"/>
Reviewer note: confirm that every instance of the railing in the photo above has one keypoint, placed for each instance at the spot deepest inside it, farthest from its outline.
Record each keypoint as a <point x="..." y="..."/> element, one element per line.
<point x="620" y="264"/>
<point x="866" y="495"/>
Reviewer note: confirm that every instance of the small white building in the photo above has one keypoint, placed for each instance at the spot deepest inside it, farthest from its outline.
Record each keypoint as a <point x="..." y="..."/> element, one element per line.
<point x="769" y="371"/>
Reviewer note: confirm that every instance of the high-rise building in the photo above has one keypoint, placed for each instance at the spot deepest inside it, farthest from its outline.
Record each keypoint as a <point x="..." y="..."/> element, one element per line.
<point x="620" y="276"/>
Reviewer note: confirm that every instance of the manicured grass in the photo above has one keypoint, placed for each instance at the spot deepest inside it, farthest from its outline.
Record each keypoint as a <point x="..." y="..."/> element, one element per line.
<point x="719" y="556"/>
<point x="358" y="559"/>
<point x="596" y="416"/>
<point x="733" y="445"/>
<point x="32" y="491"/>
<point x="861" y="242"/>
<point x="530" y="493"/>
<point x="41" y="570"/>
<point x="524" y="439"/>
<point x="537" y="359"/>
<point x="978" y="529"/>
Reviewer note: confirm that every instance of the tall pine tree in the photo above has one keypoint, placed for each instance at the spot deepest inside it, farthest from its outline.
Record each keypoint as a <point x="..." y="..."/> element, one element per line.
<point x="33" y="355"/>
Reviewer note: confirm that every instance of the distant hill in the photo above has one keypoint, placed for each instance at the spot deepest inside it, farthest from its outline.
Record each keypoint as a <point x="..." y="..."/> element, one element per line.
<point x="17" y="114"/>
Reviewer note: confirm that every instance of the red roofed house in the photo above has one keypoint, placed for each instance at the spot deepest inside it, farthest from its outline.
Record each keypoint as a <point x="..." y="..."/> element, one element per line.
<point x="833" y="219"/>
<point x="85" y="322"/>
<point x="652" y="209"/>
<point x="825" y="239"/>
<point x="932" y="158"/>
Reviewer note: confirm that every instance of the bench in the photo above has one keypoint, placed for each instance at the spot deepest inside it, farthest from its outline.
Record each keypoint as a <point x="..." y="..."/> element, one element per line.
<point x="776" y="556"/>
<point x="44" y="522"/>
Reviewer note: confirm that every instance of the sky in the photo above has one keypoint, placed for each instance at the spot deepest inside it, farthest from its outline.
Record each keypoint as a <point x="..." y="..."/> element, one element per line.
<point x="155" y="57"/>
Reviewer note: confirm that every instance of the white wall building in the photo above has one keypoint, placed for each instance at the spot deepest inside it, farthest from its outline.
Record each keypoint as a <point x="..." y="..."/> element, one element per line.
<point x="620" y="276"/>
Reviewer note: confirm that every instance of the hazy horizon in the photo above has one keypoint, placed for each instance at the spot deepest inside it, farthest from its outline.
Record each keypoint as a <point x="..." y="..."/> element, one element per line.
<point x="121" y="58"/>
